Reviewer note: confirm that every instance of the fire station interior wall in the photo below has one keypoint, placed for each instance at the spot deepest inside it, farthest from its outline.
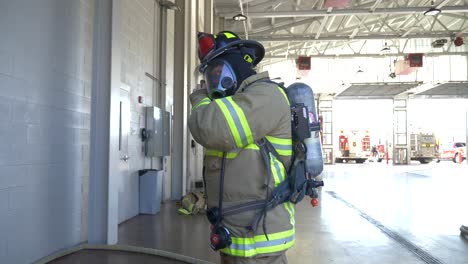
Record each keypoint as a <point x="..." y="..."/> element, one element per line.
<point x="185" y="61"/>
<point x="147" y="41"/>
<point x="323" y="79"/>
<point x="169" y="94"/>
<point x="138" y="45"/>
<point x="179" y="143"/>
<point x="195" y="152"/>
<point x="186" y="161"/>
<point x="192" y="164"/>
<point x="45" y="76"/>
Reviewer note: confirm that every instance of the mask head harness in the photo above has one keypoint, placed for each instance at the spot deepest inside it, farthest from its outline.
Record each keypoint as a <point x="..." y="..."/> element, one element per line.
<point x="219" y="74"/>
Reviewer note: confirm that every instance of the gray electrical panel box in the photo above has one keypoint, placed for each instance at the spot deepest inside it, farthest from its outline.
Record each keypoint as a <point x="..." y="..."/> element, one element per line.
<point x="158" y="127"/>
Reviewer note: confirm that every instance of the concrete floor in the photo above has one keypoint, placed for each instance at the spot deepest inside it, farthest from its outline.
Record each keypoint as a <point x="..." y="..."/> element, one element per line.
<point x="368" y="213"/>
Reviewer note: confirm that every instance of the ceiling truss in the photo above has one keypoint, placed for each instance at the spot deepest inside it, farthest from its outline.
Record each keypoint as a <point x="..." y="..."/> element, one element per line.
<point x="293" y="27"/>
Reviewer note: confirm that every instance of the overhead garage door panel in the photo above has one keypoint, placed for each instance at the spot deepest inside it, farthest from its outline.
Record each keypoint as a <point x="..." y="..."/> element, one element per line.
<point x="450" y="89"/>
<point x="375" y="91"/>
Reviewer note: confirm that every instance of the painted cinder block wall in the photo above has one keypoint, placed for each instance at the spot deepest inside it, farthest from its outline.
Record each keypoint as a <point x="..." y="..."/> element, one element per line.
<point x="45" y="101"/>
<point x="45" y="89"/>
<point x="136" y="47"/>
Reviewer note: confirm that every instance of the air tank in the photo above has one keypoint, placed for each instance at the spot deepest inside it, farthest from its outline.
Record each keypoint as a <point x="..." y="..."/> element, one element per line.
<point x="302" y="94"/>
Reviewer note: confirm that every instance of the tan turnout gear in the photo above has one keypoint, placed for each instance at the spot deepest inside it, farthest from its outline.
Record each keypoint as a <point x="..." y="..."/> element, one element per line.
<point x="192" y="203"/>
<point x="234" y="124"/>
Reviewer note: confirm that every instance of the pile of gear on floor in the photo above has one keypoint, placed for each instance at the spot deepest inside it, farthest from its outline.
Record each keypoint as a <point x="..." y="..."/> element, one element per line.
<point x="192" y="203"/>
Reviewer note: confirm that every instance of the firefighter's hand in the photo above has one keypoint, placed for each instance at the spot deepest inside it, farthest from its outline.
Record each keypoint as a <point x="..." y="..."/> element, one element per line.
<point x="200" y="90"/>
<point x="200" y="87"/>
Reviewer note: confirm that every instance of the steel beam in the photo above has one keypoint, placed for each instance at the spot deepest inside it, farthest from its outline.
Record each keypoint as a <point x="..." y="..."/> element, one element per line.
<point x="442" y="4"/>
<point x="348" y="12"/>
<point x="284" y="26"/>
<point x="294" y="38"/>
<point x="370" y="55"/>
<point x="375" y="5"/>
<point x="322" y="26"/>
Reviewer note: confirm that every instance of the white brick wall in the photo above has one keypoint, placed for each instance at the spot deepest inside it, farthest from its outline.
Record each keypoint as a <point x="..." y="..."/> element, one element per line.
<point x="45" y="75"/>
<point x="137" y="31"/>
<point x="169" y="96"/>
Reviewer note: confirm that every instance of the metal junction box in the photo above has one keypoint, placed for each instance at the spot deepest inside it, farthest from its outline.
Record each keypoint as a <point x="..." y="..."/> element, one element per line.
<point x="158" y="127"/>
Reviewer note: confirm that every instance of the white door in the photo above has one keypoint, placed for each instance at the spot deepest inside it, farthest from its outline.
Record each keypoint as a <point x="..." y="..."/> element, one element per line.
<point x="128" y="184"/>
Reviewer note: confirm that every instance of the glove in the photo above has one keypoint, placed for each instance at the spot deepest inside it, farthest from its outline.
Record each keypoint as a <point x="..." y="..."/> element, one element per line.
<point x="200" y="86"/>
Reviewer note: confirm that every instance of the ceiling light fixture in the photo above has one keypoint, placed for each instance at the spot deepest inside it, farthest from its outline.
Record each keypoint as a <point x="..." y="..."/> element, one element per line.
<point x="385" y="48"/>
<point x="239" y="17"/>
<point x="432" y="11"/>
<point x="169" y="5"/>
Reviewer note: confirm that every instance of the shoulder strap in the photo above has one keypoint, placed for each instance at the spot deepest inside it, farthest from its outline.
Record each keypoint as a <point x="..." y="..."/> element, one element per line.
<point x="281" y="84"/>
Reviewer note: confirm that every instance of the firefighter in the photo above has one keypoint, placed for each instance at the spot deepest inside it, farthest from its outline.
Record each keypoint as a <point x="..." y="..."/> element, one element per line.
<point x="238" y="108"/>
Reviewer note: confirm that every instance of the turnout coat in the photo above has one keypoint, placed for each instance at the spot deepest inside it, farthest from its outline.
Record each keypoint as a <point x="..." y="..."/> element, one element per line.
<point x="259" y="109"/>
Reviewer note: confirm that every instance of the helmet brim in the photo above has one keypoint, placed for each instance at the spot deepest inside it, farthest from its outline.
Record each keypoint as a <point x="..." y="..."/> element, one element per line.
<point x="258" y="48"/>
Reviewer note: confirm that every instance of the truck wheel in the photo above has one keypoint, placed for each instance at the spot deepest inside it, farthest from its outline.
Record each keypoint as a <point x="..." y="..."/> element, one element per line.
<point x="379" y="160"/>
<point x="360" y="160"/>
<point x="338" y="160"/>
<point x="424" y="161"/>
<point x="464" y="230"/>
<point x="455" y="158"/>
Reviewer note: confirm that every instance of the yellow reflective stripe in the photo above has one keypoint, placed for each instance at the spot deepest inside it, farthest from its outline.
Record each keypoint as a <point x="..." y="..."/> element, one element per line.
<point x="282" y="145"/>
<point x="229" y="155"/>
<point x="243" y="120"/>
<point x="204" y="101"/>
<point x="284" y="152"/>
<point x="293" y="208"/>
<point x="230" y="121"/>
<point x="254" y="252"/>
<point x="284" y="94"/>
<point x="200" y="104"/>
<point x="252" y="146"/>
<point x="275" y="170"/>
<point x="279" y="141"/>
<point x="229" y="35"/>
<point x="219" y="154"/>
<point x="251" y="246"/>
<point x="282" y="171"/>
<point x="289" y="207"/>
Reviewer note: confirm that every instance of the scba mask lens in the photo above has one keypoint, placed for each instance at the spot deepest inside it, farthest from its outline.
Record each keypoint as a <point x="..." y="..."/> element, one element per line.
<point x="220" y="79"/>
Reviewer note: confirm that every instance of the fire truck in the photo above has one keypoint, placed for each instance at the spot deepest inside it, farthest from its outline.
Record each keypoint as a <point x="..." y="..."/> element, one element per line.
<point x="353" y="147"/>
<point x="423" y="147"/>
<point x="381" y="152"/>
<point x="452" y="151"/>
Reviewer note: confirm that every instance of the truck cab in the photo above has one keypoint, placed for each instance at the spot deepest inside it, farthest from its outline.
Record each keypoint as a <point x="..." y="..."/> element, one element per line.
<point x="353" y="147"/>
<point x="423" y="147"/>
<point x="452" y="151"/>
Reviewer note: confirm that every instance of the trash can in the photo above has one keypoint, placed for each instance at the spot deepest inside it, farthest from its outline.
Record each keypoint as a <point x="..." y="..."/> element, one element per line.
<point x="150" y="182"/>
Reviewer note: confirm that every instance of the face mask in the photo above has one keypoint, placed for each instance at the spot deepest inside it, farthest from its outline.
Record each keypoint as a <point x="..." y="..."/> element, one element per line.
<point x="220" y="79"/>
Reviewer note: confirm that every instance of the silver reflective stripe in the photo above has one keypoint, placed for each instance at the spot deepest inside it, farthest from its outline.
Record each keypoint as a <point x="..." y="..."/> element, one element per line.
<point x="278" y="170"/>
<point x="281" y="147"/>
<point x="236" y="119"/>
